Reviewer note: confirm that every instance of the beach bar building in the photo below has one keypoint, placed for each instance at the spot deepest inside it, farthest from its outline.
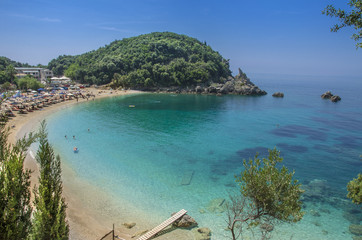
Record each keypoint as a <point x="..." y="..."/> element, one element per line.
<point x="57" y="81"/>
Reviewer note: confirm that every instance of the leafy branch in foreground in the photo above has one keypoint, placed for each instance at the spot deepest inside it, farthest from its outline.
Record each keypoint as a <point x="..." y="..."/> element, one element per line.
<point x="352" y="18"/>
<point x="267" y="193"/>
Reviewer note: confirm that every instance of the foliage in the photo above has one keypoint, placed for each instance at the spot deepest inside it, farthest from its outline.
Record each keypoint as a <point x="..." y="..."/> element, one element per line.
<point x="150" y="60"/>
<point x="60" y="64"/>
<point x="8" y="75"/>
<point x="7" y="70"/>
<point x="5" y="86"/>
<point x="15" y="209"/>
<point x="50" y="215"/>
<point x="28" y="82"/>
<point x="267" y="192"/>
<point x="4" y="62"/>
<point x="352" y="18"/>
<point x="354" y="188"/>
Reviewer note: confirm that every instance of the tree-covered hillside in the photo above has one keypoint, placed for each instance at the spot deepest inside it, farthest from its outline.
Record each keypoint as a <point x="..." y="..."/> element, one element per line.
<point x="150" y="60"/>
<point x="5" y="62"/>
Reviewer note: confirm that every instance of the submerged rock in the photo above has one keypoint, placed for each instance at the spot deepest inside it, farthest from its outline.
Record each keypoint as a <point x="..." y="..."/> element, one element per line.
<point x="355" y="229"/>
<point x="314" y="213"/>
<point x="202" y="233"/>
<point x="315" y="190"/>
<point x="353" y="215"/>
<point x="185" y="222"/>
<point x="318" y="224"/>
<point x="129" y="225"/>
<point x="267" y="227"/>
<point x="217" y="205"/>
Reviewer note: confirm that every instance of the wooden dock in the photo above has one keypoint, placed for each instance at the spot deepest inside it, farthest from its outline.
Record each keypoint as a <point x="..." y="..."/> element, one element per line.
<point x="163" y="225"/>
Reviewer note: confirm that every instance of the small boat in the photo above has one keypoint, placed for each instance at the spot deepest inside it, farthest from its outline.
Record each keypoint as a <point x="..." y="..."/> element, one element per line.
<point x="131" y="106"/>
<point x="75" y="149"/>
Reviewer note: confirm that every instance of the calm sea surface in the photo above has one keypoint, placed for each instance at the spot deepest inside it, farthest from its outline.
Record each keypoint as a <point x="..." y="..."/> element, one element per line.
<point x="182" y="151"/>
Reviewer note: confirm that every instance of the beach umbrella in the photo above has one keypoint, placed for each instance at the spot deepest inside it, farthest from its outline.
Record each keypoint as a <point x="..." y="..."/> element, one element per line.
<point x="17" y="94"/>
<point x="41" y="89"/>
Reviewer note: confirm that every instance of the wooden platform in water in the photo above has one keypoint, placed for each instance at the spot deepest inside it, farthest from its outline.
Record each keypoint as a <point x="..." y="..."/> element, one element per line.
<point x="187" y="177"/>
<point x="163" y="225"/>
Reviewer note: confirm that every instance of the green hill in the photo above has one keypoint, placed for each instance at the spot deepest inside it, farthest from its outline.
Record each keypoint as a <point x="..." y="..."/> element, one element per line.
<point x="5" y="62"/>
<point x="147" y="61"/>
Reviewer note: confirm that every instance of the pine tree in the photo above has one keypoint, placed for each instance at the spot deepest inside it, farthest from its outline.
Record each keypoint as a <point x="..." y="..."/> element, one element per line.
<point x="50" y="214"/>
<point x="15" y="209"/>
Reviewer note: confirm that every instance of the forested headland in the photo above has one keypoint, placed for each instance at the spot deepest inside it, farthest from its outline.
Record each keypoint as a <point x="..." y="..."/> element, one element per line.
<point x="153" y="62"/>
<point x="149" y="60"/>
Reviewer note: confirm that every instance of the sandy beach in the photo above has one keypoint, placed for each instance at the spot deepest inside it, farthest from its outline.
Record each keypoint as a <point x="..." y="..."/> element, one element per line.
<point x="90" y="212"/>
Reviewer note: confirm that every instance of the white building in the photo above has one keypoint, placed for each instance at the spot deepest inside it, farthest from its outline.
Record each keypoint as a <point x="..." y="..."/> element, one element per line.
<point x="39" y="73"/>
<point x="60" y="81"/>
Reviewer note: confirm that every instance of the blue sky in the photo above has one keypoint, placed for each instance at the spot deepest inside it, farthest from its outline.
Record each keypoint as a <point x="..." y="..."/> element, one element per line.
<point x="265" y="36"/>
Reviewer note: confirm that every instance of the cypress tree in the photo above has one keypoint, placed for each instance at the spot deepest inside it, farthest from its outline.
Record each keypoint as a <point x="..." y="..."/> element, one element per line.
<point x="50" y="209"/>
<point x="15" y="209"/>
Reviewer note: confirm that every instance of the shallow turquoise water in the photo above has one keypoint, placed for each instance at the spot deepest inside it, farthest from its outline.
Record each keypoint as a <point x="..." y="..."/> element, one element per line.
<point x="142" y="154"/>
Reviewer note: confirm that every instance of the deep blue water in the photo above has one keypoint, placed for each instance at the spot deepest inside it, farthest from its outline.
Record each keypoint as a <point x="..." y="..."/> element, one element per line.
<point x="142" y="154"/>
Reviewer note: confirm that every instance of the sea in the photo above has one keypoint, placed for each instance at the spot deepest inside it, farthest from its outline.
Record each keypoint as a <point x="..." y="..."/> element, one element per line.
<point x="162" y="152"/>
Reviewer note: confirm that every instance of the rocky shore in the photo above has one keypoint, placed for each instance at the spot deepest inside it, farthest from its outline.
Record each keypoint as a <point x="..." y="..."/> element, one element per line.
<point x="238" y="85"/>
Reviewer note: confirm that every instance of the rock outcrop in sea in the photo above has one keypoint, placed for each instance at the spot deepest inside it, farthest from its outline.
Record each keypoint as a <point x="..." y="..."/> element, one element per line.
<point x="278" y="94"/>
<point x="329" y="95"/>
<point x="185" y="221"/>
<point x="202" y="233"/>
<point x="238" y="85"/>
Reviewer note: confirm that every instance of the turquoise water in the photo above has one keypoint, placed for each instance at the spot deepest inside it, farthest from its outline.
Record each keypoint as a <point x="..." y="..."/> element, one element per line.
<point x="142" y="154"/>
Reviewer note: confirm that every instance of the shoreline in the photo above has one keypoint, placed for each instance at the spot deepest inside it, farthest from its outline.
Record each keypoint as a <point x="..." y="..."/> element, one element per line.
<point x="89" y="217"/>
